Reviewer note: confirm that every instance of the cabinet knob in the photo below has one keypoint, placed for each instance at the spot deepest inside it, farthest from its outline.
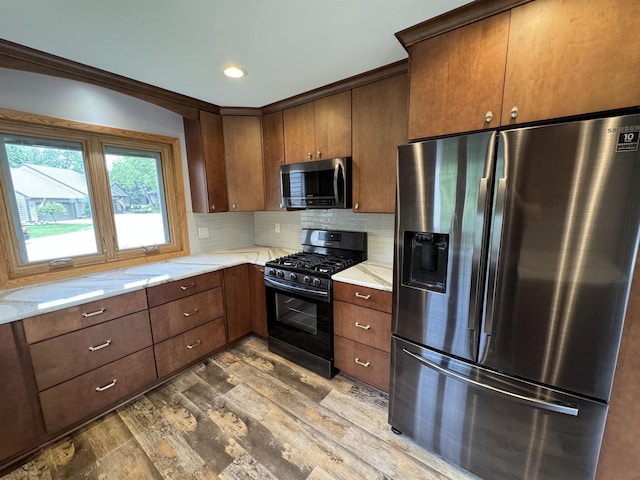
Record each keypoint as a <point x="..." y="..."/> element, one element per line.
<point x="356" y="206"/>
<point x="514" y="112"/>
<point x="309" y="156"/>
<point x="318" y="154"/>
<point x="488" y="116"/>
<point x="233" y="206"/>
<point x="281" y="205"/>
<point x="213" y="208"/>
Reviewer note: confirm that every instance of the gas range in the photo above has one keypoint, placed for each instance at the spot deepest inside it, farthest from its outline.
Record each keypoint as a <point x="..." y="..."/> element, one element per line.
<point x="325" y="252"/>
<point x="299" y="294"/>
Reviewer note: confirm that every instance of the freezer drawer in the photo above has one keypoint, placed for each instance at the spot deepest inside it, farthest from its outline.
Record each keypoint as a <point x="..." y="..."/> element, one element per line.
<point x="492" y="425"/>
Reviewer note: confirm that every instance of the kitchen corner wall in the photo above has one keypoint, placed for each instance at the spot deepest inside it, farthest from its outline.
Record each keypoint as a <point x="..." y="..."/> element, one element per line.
<point x="226" y="230"/>
<point x="379" y="228"/>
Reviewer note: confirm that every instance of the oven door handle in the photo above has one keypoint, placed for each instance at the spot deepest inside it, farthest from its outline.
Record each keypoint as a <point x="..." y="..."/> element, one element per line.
<point x="283" y="286"/>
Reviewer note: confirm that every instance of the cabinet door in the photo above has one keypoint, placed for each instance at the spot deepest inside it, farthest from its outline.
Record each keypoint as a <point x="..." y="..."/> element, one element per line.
<point x="205" y="159"/>
<point x="572" y="57"/>
<point x="379" y="125"/>
<point x="20" y="414"/>
<point x="298" y="133"/>
<point x="237" y="301"/>
<point x="243" y="157"/>
<point x="258" y="300"/>
<point x="273" y="152"/>
<point x="332" y="117"/>
<point x="457" y="77"/>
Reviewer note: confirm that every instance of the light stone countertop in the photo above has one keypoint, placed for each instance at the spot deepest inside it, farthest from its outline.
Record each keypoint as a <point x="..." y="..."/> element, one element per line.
<point x="368" y="274"/>
<point x="23" y="302"/>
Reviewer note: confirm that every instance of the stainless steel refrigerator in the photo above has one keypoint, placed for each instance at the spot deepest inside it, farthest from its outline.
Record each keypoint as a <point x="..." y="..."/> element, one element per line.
<point x="514" y="253"/>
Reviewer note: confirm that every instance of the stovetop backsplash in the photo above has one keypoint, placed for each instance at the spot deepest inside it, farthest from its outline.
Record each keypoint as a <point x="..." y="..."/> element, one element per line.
<point x="234" y="230"/>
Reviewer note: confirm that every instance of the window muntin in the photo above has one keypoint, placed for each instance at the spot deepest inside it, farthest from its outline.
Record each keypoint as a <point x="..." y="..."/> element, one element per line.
<point x="137" y="194"/>
<point x="90" y="143"/>
<point x="49" y="198"/>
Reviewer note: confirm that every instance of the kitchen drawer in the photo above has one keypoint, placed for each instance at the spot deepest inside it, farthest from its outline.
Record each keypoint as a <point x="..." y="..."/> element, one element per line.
<point x="368" y="364"/>
<point x="168" y="292"/>
<point x="363" y="296"/>
<point x="180" y="351"/>
<point x="175" y="317"/>
<point x="363" y="325"/>
<point x="49" y="325"/>
<point x="91" y="393"/>
<point x="73" y="354"/>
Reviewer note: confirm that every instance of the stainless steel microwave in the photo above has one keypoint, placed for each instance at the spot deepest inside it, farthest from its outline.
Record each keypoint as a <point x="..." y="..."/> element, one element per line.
<point x="316" y="184"/>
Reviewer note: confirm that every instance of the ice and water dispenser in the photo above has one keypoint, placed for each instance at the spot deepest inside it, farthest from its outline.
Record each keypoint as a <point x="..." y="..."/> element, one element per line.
<point x="425" y="260"/>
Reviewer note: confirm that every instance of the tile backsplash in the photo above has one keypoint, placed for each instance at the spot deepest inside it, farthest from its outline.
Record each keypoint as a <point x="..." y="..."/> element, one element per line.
<point x="226" y="230"/>
<point x="241" y="229"/>
<point x="379" y="228"/>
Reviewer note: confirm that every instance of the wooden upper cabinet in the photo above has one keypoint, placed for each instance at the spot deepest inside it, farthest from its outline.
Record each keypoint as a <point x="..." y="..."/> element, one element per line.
<point x="318" y="130"/>
<point x="243" y="158"/>
<point x="205" y="159"/>
<point x="380" y="112"/>
<point x="332" y="117"/>
<point x="571" y="57"/>
<point x="273" y="157"/>
<point x="299" y="141"/>
<point x="457" y="78"/>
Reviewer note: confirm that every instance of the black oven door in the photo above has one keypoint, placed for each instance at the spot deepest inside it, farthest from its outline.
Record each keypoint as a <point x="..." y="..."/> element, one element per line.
<point x="301" y="328"/>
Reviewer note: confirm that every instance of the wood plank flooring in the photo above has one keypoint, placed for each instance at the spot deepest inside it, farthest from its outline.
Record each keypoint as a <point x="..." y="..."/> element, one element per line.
<point x="243" y="414"/>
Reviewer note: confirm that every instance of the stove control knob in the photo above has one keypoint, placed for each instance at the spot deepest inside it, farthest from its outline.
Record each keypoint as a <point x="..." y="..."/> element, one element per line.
<point x="307" y="279"/>
<point x="272" y="272"/>
<point x="293" y="277"/>
<point x="316" y="282"/>
<point x="279" y="273"/>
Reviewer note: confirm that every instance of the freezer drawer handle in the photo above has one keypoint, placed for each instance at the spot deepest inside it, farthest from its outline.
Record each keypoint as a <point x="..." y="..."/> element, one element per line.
<point x="364" y="327"/>
<point x="535" y="402"/>
<point x="365" y="297"/>
<point x="364" y="364"/>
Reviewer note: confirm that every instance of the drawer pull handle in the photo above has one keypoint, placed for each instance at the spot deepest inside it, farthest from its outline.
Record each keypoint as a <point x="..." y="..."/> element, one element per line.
<point x="364" y="297"/>
<point x="193" y="345"/>
<point x="93" y="314"/>
<point x="187" y="287"/>
<point x="364" y="364"/>
<point x="107" y="386"/>
<point x="101" y="346"/>
<point x="364" y="327"/>
<point x="192" y="312"/>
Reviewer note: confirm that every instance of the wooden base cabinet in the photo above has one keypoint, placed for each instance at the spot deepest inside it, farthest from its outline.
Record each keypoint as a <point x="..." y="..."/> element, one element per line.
<point x="180" y="351"/>
<point x="362" y="333"/>
<point x="95" y="391"/>
<point x="237" y="296"/>
<point x="258" y="301"/>
<point x="20" y="416"/>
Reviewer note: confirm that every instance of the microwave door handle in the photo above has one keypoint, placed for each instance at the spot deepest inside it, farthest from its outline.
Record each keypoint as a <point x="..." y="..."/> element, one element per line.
<point x="336" y="175"/>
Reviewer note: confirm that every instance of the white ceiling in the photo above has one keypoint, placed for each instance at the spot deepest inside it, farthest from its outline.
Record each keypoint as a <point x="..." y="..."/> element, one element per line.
<point x="287" y="46"/>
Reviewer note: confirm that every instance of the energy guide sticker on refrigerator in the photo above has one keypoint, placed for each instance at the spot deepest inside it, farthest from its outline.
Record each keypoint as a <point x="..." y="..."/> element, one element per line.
<point x="514" y="253"/>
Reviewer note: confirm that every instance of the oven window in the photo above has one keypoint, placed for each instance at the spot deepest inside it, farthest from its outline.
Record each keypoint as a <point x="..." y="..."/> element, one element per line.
<point x="297" y="313"/>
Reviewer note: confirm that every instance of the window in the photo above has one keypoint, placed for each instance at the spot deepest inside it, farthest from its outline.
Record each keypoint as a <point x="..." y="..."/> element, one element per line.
<point x="78" y="197"/>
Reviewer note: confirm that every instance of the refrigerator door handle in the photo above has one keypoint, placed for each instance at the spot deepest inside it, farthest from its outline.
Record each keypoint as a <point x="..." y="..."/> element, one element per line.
<point x="534" y="402"/>
<point x="477" y="253"/>
<point x="494" y="253"/>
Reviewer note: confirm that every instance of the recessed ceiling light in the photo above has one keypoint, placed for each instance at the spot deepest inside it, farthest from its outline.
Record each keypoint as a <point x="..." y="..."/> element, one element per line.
<point x="234" y="71"/>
